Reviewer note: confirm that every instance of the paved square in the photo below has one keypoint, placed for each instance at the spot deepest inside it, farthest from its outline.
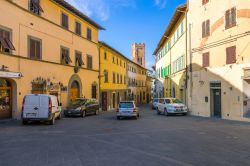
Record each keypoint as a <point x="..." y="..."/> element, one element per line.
<point x="102" y="140"/>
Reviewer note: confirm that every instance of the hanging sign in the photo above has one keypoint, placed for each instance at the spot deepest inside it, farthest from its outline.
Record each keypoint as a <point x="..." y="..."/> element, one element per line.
<point x="7" y="74"/>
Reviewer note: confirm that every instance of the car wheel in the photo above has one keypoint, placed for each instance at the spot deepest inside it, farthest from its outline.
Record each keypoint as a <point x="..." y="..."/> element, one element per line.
<point x="158" y="112"/>
<point x="25" y="122"/>
<point x="83" y="114"/>
<point x="59" y="117"/>
<point x="53" y="120"/>
<point x="96" y="112"/>
<point x="165" y="112"/>
<point x="184" y="114"/>
<point x="118" y="118"/>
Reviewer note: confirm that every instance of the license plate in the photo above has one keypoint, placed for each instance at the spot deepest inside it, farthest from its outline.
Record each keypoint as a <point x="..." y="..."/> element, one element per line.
<point x="31" y="114"/>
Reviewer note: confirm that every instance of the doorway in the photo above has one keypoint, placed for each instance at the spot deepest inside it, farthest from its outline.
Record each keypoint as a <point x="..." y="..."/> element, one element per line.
<point x="74" y="91"/>
<point x="104" y="101"/>
<point x="113" y="100"/>
<point x="216" y="102"/>
<point x="5" y="99"/>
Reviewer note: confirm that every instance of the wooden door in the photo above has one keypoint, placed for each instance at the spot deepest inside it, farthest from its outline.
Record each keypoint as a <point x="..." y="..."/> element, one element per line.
<point x="104" y="101"/>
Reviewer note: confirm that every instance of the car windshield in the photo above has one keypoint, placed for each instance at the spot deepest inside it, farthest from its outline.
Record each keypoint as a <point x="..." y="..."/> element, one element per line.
<point x="126" y="105"/>
<point x="176" y="101"/>
<point x="78" y="102"/>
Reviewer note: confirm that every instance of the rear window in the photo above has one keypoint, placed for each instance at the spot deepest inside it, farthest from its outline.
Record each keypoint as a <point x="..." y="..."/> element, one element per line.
<point x="32" y="100"/>
<point x="176" y="101"/>
<point x="167" y="101"/>
<point x="155" y="100"/>
<point x="126" y="105"/>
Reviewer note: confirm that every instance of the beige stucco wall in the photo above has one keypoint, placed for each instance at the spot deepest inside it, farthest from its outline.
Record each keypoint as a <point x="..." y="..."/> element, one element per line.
<point x="230" y="76"/>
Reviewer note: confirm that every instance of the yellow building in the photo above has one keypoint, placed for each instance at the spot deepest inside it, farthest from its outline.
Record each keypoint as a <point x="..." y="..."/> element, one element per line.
<point x="171" y="55"/>
<point x="137" y="85"/>
<point x="219" y="81"/>
<point x="46" y="47"/>
<point x="113" y="77"/>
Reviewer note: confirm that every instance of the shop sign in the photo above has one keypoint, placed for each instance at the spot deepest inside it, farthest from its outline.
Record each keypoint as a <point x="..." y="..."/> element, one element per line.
<point x="6" y="74"/>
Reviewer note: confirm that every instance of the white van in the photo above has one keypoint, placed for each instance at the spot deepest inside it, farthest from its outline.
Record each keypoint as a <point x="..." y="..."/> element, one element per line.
<point x="40" y="107"/>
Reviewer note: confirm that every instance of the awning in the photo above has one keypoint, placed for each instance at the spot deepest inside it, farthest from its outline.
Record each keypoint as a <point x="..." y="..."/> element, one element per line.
<point x="6" y="74"/>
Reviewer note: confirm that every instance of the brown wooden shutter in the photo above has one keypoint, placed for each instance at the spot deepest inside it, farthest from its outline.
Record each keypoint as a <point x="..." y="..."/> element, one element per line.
<point x="203" y="29"/>
<point x="38" y="50"/>
<point x="227" y="18"/>
<point x="205" y="59"/>
<point x="233" y="16"/>
<point x="64" y="20"/>
<point x="207" y="27"/>
<point x="231" y="55"/>
<point x="32" y="49"/>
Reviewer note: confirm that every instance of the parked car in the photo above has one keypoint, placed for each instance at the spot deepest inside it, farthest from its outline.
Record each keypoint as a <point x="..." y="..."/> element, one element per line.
<point x="40" y="107"/>
<point x="127" y="109"/>
<point x="168" y="106"/>
<point x="82" y="107"/>
<point x="154" y="103"/>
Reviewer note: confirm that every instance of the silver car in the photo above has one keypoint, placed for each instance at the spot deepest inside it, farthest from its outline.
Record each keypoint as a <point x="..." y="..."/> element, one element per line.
<point x="127" y="109"/>
<point x="168" y="106"/>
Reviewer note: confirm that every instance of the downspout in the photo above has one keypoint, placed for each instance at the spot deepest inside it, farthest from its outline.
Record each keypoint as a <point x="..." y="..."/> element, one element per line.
<point x="186" y="80"/>
<point x="99" y="77"/>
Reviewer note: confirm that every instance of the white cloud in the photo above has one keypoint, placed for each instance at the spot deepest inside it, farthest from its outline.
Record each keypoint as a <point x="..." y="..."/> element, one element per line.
<point x="100" y="8"/>
<point x="160" y="3"/>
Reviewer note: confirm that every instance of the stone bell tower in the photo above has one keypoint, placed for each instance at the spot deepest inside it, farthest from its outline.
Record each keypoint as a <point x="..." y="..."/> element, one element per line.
<point x="138" y="53"/>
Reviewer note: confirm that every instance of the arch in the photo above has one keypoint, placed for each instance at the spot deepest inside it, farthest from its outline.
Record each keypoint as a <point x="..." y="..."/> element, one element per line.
<point x="74" y="86"/>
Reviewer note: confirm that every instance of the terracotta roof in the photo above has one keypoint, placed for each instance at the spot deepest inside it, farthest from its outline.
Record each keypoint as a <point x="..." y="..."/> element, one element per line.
<point x="113" y="49"/>
<point x="69" y="7"/>
<point x="178" y="13"/>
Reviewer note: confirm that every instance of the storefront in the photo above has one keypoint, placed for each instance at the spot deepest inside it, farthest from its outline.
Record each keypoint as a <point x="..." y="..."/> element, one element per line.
<point x="7" y="93"/>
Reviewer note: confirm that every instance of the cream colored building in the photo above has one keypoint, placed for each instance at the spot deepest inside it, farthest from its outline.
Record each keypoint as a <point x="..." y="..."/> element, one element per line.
<point x="46" y="47"/>
<point x="171" y="57"/>
<point x="220" y="58"/>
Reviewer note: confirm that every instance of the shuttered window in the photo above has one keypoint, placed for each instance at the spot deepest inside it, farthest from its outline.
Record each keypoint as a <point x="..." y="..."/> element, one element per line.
<point x="204" y="2"/>
<point x="205" y="28"/>
<point x="231" y="55"/>
<point x="78" y="28"/>
<point x="118" y="79"/>
<point x="89" y="34"/>
<point x="205" y="59"/>
<point x="230" y="18"/>
<point x="65" y="21"/>
<point x="65" y="57"/>
<point x="35" y="7"/>
<point x="106" y="76"/>
<point x="5" y="41"/>
<point x="94" y="89"/>
<point x="78" y="59"/>
<point x="89" y="62"/>
<point x="114" y="78"/>
<point x="35" y="48"/>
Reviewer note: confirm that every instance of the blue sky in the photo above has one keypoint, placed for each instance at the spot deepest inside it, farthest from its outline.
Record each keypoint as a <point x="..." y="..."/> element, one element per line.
<point x="130" y="21"/>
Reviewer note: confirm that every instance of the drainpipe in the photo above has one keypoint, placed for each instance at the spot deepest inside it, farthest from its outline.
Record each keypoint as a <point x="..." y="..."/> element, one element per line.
<point x="186" y="80"/>
<point x="99" y="77"/>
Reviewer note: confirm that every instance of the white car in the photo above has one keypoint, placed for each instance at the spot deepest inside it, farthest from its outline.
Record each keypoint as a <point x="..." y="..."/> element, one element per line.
<point x="127" y="109"/>
<point x="168" y="106"/>
<point x="40" y="107"/>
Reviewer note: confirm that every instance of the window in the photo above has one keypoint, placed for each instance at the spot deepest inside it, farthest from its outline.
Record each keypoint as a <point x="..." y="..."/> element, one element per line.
<point x="35" y="48"/>
<point x="65" y="21"/>
<point x="117" y="61"/>
<point x="114" y="78"/>
<point x="230" y="18"/>
<point x="124" y="80"/>
<point x="89" y="62"/>
<point x="204" y="2"/>
<point x="78" y="59"/>
<point x="105" y="55"/>
<point x="65" y="58"/>
<point x="205" y="59"/>
<point x="118" y="79"/>
<point x="34" y="6"/>
<point x="106" y="76"/>
<point x="206" y="28"/>
<point x="231" y="55"/>
<point x="5" y="41"/>
<point x="113" y="59"/>
<point x="94" y="89"/>
<point x="89" y="34"/>
<point x="78" y="29"/>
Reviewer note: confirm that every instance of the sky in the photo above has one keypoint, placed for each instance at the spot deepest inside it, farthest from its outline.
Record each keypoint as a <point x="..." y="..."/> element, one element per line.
<point x="130" y="21"/>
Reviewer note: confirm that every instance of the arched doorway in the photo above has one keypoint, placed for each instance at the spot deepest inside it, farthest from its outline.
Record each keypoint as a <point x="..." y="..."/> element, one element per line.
<point x="5" y="99"/>
<point x="74" y="91"/>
